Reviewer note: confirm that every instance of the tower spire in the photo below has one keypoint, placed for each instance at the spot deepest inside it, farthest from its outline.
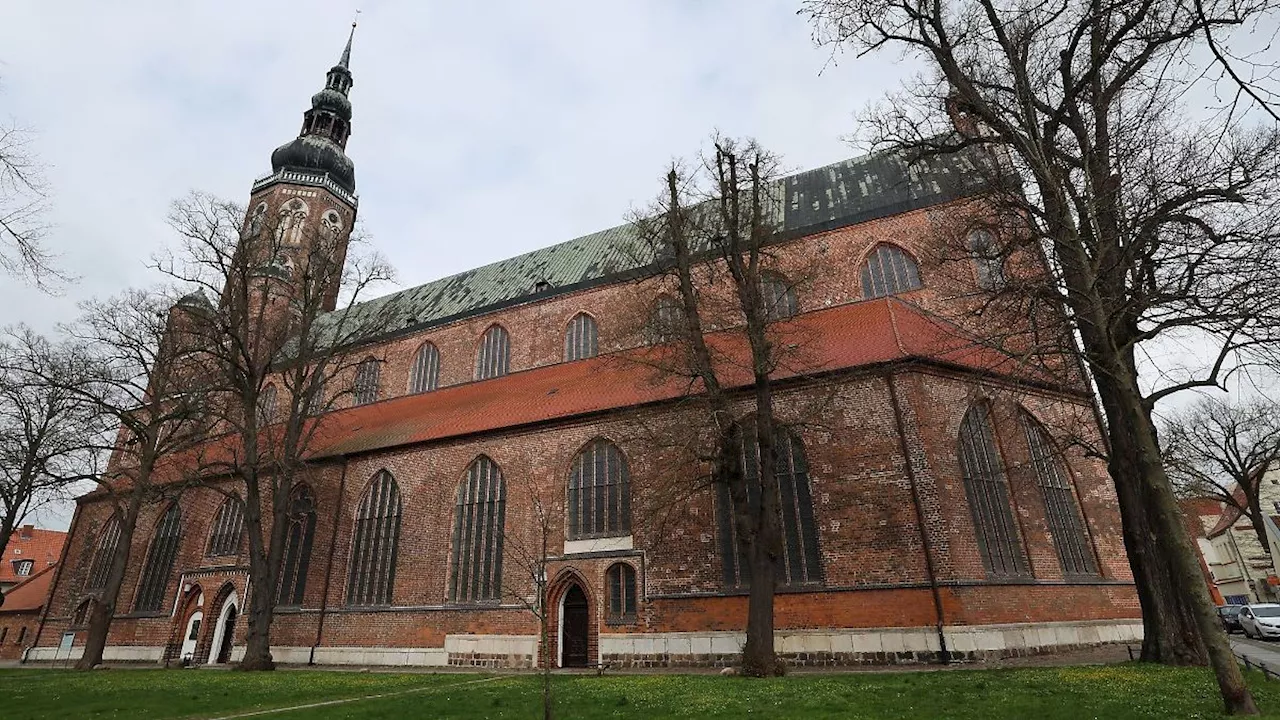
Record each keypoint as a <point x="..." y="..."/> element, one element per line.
<point x="345" y="61"/>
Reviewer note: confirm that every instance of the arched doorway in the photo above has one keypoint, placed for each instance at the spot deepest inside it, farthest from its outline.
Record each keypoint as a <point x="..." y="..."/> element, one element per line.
<point x="225" y="631"/>
<point x="575" y="628"/>
<point x="190" y="636"/>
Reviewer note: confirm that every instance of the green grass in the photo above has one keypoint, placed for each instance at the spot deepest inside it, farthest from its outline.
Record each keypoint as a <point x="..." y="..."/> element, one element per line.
<point x="1115" y="691"/>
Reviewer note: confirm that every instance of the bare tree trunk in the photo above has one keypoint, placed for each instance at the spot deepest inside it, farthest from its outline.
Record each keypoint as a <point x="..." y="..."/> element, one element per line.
<point x="257" y="652"/>
<point x="1257" y="519"/>
<point x="104" y="609"/>
<point x="1167" y="543"/>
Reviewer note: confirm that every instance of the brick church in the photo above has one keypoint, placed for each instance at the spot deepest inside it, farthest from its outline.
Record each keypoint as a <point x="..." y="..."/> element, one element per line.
<point x="933" y="504"/>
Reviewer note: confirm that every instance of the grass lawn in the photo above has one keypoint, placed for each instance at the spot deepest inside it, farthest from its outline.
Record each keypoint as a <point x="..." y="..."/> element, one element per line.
<point x="1115" y="691"/>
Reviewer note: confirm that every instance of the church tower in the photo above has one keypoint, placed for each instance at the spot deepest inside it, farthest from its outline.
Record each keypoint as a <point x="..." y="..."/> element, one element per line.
<point x="310" y="194"/>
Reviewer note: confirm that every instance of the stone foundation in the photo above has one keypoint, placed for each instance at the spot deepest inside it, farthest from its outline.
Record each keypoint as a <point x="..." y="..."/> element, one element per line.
<point x="799" y="648"/>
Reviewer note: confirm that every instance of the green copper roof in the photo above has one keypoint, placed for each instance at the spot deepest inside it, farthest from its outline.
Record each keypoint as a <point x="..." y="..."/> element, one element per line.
<point x="840" y="194"/>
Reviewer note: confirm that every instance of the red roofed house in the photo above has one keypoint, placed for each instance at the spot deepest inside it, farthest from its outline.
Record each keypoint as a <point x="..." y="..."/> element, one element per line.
<point x="29" y="551"/>
<point x="931" y="502"/>
<point x="1244" y="570"/>
<point x="20" y="615"/>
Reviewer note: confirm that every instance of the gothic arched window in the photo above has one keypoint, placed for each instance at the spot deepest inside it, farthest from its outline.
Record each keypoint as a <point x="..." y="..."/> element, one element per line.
<point x="366" y="385"/>
<point x="778" y="296"/>
<point x="665" y="322"/>
<point x="155" y="574"/>
<point x="228" y="525"/>
<point x="494" y="355"/>
<point x="621" y="582"/>
<point x="375" y="549"/>
<point x="889" y="270"/>
<point x="293" y="220"/>
<point x="267" y="404"/>
<point x="108" y="539"/>
<point x="297" y="546"/>
<point x="478" y="527"/>
<point x="801" y="560"/>
<point x="988" y="264"/>
<point x="599" y="492"/>
<point x="1061" y="508"/>
<point x="425" y="373"/>
<point x="988" y="494"/>
<point x="582" y="338"/>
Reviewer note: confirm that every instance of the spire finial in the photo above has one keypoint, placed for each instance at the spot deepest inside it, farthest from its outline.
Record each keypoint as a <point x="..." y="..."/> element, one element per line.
<point x="346" y="52"/>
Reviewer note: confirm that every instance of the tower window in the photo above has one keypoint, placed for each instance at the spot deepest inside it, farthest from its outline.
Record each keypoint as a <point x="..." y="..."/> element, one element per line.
<point x="267" y="404"/>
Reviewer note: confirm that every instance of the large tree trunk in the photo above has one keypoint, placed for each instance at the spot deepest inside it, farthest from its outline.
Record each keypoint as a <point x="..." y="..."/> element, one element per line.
<point x="102" y="611"/>
<point x="257" y="652"/>
<point x="1257" y="519"/>
<point x="1160" y="537"/>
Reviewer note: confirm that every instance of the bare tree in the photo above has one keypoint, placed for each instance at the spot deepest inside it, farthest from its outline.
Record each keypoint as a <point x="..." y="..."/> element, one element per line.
<point x="530" y="551"/>
<point x="1156" y="227"/>
<point x="1222" y="450"/>
<point x="23" y="207"/>
<point x="711" y="232"/>
<point x="49" y="434"/>
<point x="135" y="365"/>
<point x="279" y="357"/>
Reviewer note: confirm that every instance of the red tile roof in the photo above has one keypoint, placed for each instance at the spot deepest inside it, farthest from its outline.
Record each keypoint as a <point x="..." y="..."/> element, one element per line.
<point x="30" y="543"/>
<point x="1230" y="514"/>
<point x="847" y="336"/>
<point x="31" y="594"/>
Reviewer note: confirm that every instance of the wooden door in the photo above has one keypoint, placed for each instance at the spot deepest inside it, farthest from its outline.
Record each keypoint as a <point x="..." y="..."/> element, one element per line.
<point x="575" y="630"/>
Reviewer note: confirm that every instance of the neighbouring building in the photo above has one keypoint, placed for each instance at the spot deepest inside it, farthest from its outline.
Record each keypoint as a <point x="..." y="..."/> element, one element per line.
<point x="1244" y="570"/>
<point x="931" y="502"/>
<point x="1199" y="516"/>
<point x="20" y="615"/>
<point x="30" y="551"/>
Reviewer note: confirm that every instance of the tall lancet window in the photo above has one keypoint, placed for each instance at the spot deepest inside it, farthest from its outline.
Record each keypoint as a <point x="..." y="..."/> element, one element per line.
<point x="159" y="567"/>
<point x="478" y="529"/>
<point x="1061" y="509"/>
<point x="494" y="355"/>
<point x="988" y="494"/>
<point x="376" y="545"/>
<point x="108" y="539"/>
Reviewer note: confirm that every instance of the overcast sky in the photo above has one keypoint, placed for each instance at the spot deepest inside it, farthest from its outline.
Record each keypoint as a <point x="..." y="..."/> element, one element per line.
<point x="480" y="130"/>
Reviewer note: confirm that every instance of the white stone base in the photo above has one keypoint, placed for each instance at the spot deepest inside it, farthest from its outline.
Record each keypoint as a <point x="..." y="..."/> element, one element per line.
<point x="818" y="647"/>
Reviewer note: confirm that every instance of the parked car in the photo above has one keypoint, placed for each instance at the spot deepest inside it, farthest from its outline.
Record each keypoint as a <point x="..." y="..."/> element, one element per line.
<point x="1261" y="620"/>
<point x="1230" y="616"/>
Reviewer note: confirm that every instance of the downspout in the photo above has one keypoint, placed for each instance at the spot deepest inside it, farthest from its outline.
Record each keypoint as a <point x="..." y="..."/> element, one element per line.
<point x="57" y="578"/>
<point x="943" y="654"/>
<point x="328" y="570"/>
